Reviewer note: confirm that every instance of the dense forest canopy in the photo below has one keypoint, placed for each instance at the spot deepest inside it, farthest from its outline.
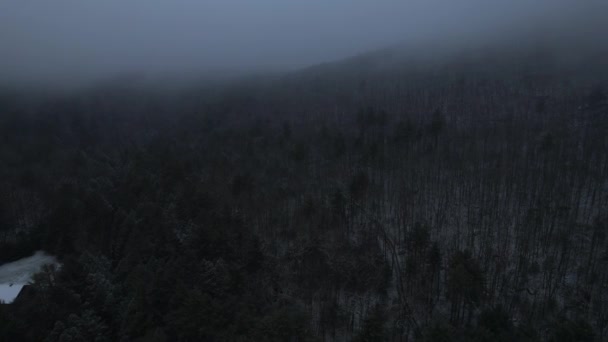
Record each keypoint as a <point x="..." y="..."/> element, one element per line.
<point x="374" y="199"/>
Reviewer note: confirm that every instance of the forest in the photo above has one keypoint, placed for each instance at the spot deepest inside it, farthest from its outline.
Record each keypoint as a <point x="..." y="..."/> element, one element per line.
<point x="371" y="199"/>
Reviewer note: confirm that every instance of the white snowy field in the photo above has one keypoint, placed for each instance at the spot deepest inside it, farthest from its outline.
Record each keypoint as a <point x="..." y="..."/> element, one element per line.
<point x="14" y="275"/>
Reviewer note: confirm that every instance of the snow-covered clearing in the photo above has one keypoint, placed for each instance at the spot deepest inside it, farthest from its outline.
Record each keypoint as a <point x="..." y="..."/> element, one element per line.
<point x="14" y="275"/>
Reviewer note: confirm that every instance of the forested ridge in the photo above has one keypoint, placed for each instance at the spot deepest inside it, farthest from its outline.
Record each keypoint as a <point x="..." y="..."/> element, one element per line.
<point x="368" y="200"/>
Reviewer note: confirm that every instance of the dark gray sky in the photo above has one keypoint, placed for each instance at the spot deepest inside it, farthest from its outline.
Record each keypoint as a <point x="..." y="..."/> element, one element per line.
<point x="61" y="40"/>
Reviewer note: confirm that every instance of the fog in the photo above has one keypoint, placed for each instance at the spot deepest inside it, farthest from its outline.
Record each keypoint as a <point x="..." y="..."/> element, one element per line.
<point x="67" y="41"/>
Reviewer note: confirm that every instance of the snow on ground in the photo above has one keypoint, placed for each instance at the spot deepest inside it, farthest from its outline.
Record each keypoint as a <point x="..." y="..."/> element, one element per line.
<point x="8" y="292"/>
<point x="14" y="275"/>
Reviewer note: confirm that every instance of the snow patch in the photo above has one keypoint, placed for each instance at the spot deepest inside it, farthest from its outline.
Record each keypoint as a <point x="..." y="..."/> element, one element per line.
<point x="14" y="275"/>
<point x="8" y="293"/>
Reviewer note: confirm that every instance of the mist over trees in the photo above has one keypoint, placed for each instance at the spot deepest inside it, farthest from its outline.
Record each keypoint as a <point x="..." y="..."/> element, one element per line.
<point x="203" y="173"/>
<point x="374" y="199"/>
<point x="67" y="43"/>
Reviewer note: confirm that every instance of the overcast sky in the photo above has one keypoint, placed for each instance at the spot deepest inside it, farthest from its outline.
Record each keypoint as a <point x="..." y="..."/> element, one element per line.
<point x="80" y="39"/>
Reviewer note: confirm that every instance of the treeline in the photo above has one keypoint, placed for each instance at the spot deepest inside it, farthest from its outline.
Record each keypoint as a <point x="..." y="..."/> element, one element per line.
<point x="453" y="204"/>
